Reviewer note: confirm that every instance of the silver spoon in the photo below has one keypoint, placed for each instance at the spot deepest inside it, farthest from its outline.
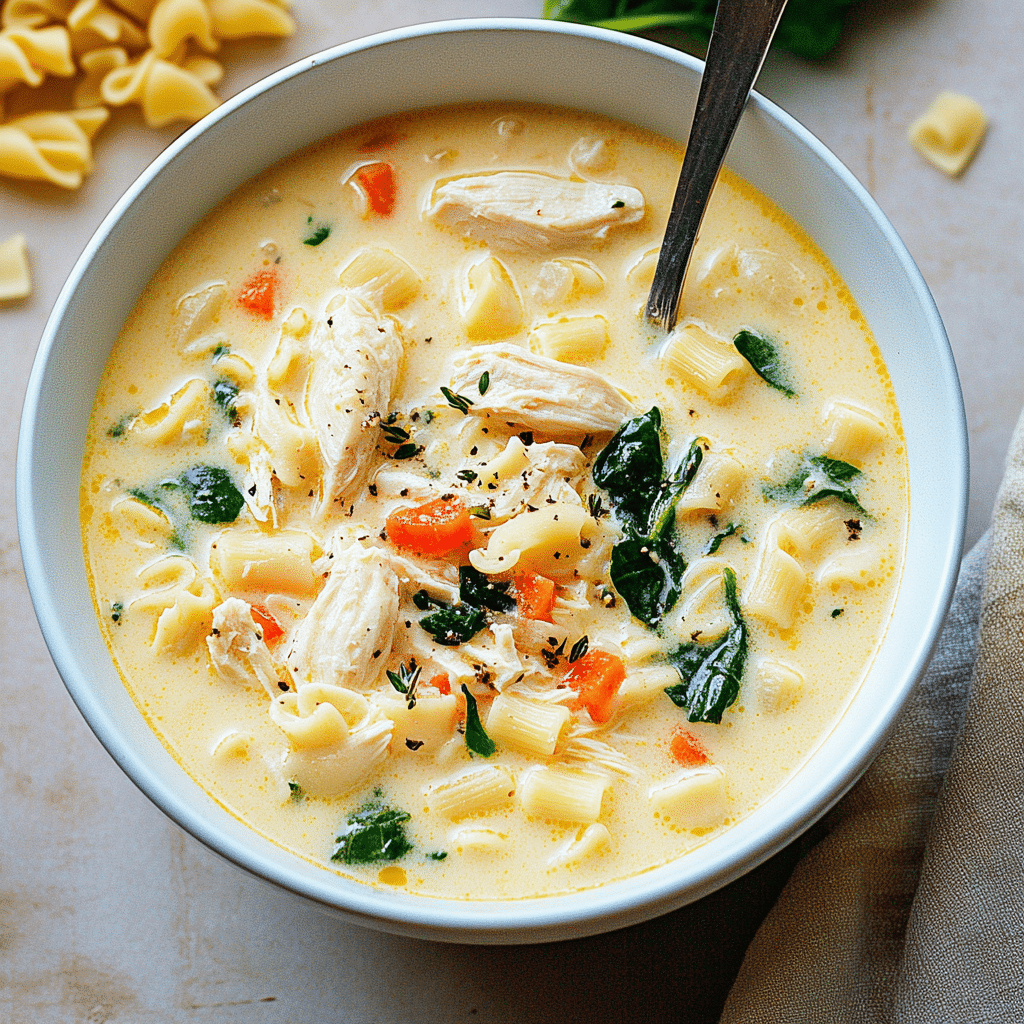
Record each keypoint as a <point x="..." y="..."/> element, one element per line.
<point x="740" y="38"/>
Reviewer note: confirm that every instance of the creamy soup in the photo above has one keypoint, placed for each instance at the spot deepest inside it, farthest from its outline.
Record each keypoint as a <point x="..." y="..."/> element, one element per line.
<point x="428" y="559"/>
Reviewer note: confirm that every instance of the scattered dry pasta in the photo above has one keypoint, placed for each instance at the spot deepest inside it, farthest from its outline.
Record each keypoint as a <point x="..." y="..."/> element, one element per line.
<point x="949" y="132"/>
<point x="153" y="53"/>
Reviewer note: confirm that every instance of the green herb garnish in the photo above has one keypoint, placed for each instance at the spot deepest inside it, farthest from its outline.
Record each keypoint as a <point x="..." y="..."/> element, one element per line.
<point x="405" y="680"/>
<point x="809" y="28"/>
<point x="374" y="832"/>
<point x="320" y="234"/>
<point x="212" y="496"/>
<point x="458" y="402"/>
<point x="476" y="589"/>
<point x="716" y="542"/>
<point x="119" y="428"/>
<point x="476" y="736"/>
<point x="818" y="477"/>
<point x="451" y="626"/>
<point x="836" y="612"/>
<point x="296" y="792"/>
<point x="579" y="648"/>
<point x="711" y="672"/>
<point x="480" y="511"/>
<point x="468" y="475"/>
<point x="224" y="394"/>
<point x="116" y="611"/>
<point x="437" y="855"/>
<point x="764" y="357"/>
<point x="407" y="451"/>
<point x="485" y="382"/>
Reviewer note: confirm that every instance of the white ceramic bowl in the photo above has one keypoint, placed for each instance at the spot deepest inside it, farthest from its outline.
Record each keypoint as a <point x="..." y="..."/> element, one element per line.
<point x="621" y="76"/>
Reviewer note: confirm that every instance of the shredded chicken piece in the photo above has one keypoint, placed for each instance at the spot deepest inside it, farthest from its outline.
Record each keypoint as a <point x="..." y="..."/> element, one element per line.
<point x="356" y="356"/>
<point x="532" y="210"/>
<point x="557" y="399"/>
<point x="413" y="575"/>
<point x="237" y="648"/>
<point x="346" y="637"/>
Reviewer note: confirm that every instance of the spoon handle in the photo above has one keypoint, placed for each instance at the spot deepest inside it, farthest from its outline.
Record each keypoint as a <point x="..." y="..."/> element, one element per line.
<point x="740" y="39"/>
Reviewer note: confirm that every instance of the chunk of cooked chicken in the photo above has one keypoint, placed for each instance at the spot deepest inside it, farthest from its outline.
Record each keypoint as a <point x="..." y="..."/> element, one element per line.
<point x="346" y="636"/>
<point x="356" y="355"/>
<point x="560" y="400"/>
<point x="237" y="648"/>
<point x="532" y="210"/>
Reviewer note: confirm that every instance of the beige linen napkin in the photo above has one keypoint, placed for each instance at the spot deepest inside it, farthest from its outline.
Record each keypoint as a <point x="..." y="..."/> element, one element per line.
<point x="911" y="909"/>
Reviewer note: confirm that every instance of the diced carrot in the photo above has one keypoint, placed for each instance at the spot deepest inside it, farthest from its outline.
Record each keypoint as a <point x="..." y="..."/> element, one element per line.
<point x="687" y="749"/>
<point x="440" y="682"/>
<point x="272" y="630"/>
<point x="597" y="677"/>
<point x="437" y="528"/>
<point x="379" y="182"/>
<point x="257" y="294"/>
<point x="535" y="596"/>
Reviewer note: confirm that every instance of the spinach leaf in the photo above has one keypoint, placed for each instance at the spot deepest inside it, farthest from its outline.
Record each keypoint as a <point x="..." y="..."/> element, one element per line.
<point x="809" y="28"/>
<point x="476" y="736"/>
<point x="630" y="468"/>
<point x="451" y="626"/>
<point x="764" y="357"/>
<point x="224" y="394"/>
<point x="711" y="672"/>
<point x="319" y="234"/>
<point x="373" y="832"/>
<point x="716" y="542"/>
<point x="818" y="477"/>
<point x="647" y="572"/>
<point x="663" y="511"/>
<point x="476" y="589"/>
<point x="212" y="496"/>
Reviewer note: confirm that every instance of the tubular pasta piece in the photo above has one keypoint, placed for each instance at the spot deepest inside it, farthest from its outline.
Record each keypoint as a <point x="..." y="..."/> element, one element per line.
<point x="562" y="794"/>
<point x="474" y="792"/>
<point x="701" y="360"/>
<point x="641" y="274"/>
<point x="527" y="725"/>
<point x="803" y="532"/>
<point x="287" y="369"/>
<point x="34" y="13"/>
<point x="175" y="21"/>
<point x="692" y="798"/>
<point x="428" y="725"/>
<point x="777" y="587"/>
<point x="564" y="401"/>
<point x="185" y="412"/>
<point x="779" y="685"/>
<point x="15" y="280"/>
<point x="472" y="839"/>
<point x="277" y="562"/>
<point x="718" y="478"/>
<point x="489" y="301"/>
<point x="571" y="339"/>
<point x="149" y="524"/>
<point x="584" y="842"/>
<point x="855" y="565"/>
<point x="30" y="54"/>
<point x="853" y="432"/>
<point x="703" y="610"/>
<point x="383" y="277"/>
<point x="240" y="19"/>
<point x="949" y="132"/>
<point x="534" y="539"/>
<point x="198" y="313"/>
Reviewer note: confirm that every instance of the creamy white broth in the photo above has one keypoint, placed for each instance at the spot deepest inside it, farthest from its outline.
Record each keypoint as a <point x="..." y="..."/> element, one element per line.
<point x="753" y="269"/>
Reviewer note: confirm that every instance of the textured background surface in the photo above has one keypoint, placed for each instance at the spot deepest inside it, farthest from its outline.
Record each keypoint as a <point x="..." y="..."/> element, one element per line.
<point x="108" y="913"/>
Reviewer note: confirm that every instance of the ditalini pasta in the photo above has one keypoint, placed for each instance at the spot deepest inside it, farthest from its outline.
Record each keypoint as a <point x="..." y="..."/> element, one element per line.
<point x="427" y="559"/>
<point x="15" y="279"/>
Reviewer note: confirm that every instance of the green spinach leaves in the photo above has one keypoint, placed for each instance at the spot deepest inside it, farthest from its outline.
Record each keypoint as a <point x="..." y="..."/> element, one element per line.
<point x="646" y="565"/>
<point x="711" y="672"/>
<point x="816" y="478"/>
<point x="373" y="832"/>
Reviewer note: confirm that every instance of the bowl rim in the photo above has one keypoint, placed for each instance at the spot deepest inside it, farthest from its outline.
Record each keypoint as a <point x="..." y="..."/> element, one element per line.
<point x="545" y="918"/>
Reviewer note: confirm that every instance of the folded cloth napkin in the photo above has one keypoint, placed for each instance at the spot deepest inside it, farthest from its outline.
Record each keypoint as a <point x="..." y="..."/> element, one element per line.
<point x="911" y="908"/>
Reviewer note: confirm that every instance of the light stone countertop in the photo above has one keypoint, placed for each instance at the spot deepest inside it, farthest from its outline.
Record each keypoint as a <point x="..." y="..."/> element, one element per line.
<point x="109" y="913"/>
